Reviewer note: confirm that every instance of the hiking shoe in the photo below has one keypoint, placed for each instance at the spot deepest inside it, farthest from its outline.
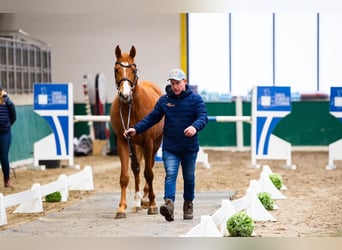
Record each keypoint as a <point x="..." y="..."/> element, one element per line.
<point x="8" y="184"/>
<point x="188" y="210"/>
<point x="167" y="210"/>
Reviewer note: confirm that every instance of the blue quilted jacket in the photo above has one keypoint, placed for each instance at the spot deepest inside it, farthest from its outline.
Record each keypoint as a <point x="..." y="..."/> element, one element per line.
<point x="7" y="115"/>
<point x="180" y="112"/>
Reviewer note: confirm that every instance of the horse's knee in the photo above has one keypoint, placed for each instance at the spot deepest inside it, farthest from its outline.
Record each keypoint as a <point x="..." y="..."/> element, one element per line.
<point x="124" y="180"/>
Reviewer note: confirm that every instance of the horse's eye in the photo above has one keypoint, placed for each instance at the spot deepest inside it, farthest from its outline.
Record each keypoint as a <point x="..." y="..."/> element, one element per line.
<point x="116" y="71"/>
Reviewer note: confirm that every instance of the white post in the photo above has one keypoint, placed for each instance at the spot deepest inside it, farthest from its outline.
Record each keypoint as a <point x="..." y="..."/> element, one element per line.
<point x="239" y="127"/>
<point x="70" y="125"/>
<point x="253" y="129"/>
<point x="64" y="191"/>
<point x="3" y="216"/>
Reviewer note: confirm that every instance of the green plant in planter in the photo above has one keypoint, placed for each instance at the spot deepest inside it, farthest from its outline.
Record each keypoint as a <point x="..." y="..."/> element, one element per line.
<point x="276" y="180"/>
<point x="266" y="200"/>
<point x="240" y="225"/>
<point x="54" y="197"/>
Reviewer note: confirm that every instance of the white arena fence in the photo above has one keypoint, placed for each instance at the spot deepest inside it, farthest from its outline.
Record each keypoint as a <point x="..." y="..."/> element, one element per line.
<point x="31" y="201"/>
<point x="106" y="118"/>
<point x="202" y="157"/>
<point x="215" y="225"/>
<point x="238" y="119"/>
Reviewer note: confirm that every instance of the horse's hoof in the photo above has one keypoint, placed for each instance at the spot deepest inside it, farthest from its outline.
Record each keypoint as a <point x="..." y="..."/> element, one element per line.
<point x="152" y="210"/>
<point x="120" y="215"/>
<point x="136" y="209"/>
<point x="145" y="204"/>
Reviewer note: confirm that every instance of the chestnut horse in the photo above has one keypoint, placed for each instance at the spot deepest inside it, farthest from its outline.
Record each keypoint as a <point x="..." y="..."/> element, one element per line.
<point x="135" y="99"/>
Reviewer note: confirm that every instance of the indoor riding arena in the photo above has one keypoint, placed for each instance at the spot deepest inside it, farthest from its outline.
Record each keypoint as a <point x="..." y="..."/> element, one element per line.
<point x="273" y="95"/>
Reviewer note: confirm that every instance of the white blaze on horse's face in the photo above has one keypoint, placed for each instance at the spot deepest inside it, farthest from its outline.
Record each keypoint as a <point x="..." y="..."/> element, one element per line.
<point x="124" y="82"/>
<point x="126" y="87"/>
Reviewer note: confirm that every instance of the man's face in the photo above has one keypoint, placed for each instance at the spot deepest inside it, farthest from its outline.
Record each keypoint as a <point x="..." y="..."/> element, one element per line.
<point x="178" y="86"/>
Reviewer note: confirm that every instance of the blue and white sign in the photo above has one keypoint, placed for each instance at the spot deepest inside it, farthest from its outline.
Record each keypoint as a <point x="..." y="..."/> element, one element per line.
<point x="273" y="98"/>
<point x="54" y="102"/>
<point x="270" y="104"/>
<point x="51" y="96"/>
<point x="335" y="106"/>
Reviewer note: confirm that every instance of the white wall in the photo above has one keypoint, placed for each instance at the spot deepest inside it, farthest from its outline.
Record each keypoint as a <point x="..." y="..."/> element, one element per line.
<point x="84" y="43"/>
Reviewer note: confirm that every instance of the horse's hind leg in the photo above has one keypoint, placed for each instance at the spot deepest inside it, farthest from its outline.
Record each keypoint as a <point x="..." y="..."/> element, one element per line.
<point x="149" y="196"/>
<point x="148" y="173"/>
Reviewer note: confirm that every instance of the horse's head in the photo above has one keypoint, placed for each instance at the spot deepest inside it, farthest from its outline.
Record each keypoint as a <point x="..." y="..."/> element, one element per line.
<point x="125" y="72"/>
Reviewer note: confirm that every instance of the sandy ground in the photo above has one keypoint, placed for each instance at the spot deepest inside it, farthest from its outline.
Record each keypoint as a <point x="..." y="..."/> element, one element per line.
<point x="312" y="207"/>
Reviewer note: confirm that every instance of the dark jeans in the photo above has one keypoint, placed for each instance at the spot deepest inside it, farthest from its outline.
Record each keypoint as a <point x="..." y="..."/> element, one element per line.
<point x="5" y="142"/>
<point x="171" y="164"/>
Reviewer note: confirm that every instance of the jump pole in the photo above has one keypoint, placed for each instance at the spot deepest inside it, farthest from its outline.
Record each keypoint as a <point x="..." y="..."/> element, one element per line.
<point x="238" y="119"/>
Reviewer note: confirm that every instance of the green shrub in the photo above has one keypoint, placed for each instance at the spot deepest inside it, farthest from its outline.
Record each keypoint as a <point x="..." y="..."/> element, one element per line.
<point x="266" y="200"/>
<point x="277" y="180"/>
<point x="54" y="197"/>
<point x="240" y="225"/>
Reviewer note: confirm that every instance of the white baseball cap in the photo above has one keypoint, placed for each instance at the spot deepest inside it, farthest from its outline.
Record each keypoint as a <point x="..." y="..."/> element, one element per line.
<point x="176" y="74"/>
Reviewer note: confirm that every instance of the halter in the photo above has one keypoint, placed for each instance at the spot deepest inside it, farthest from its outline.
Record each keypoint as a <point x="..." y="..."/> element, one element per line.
<point x="125" y="78"/>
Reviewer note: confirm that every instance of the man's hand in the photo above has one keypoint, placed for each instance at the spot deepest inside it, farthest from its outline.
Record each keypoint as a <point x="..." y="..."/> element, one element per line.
<point x="190" y="131"/>
<point x="128" y="133"/>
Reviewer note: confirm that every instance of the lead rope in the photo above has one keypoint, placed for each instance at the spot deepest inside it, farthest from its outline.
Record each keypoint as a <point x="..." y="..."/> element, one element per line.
<point x="127" y="127"/>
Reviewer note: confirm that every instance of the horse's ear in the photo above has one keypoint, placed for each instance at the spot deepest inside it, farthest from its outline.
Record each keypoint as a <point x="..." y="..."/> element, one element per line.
<point x="118" y="51"/>
<point x="132" y="52"/>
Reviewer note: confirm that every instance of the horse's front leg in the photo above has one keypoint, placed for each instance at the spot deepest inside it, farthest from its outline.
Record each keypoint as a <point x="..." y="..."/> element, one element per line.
<point x="145" y="201"/>
<point x="135" y="165"/>
<point x="124" y="179"/>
